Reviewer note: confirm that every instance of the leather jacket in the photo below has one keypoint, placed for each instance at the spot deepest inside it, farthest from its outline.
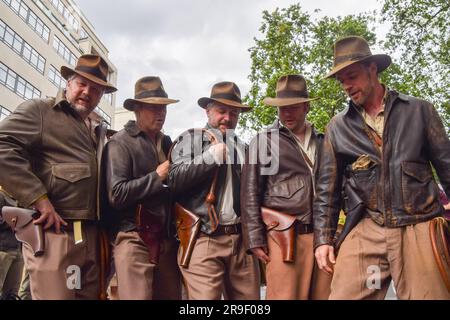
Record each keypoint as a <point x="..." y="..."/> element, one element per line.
<point x="46" y="148"/>
<point x="398" y="189"/>
<point x="191" y="175"/>
<point x="289" y="189"/>
<point x="130" y="160"/>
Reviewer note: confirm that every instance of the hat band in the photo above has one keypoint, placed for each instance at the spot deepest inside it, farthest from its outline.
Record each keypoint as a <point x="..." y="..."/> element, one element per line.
<point x="158" y="93"/>
<point x="93" y="71"/>
<point x="350" y="57"/>
<point x="292" y="94"/>
<point x="226" y="96"/>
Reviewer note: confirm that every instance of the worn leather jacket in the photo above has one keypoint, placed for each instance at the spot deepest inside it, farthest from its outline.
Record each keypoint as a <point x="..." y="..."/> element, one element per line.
<point x="290" y="189"/>
<point x="130" y="160"/>
<point x="191" y="175"/>
<point x="398" y="189"/>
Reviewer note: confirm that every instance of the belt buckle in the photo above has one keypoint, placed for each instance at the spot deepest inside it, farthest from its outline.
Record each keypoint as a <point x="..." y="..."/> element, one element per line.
<point x="229" y="229"/>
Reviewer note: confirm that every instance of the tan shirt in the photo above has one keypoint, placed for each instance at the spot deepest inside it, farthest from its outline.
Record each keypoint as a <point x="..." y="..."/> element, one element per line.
<point x="377" y="123"/>
<point x="227" y="215"/>
<point x="309" y="145"/>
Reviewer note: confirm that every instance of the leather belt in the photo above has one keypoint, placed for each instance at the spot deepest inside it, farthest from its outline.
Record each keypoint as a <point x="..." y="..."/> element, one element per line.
<point x="302" y="228"/>
<point x="223" y="230"/>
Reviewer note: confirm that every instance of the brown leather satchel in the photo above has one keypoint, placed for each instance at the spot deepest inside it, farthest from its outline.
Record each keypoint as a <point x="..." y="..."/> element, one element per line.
<point x="280" y="227"/>
<point x="189" y="224"/>
<point x="21" y="222"/>
<point x="150" y="230"/>
<point x="440" y="243"/>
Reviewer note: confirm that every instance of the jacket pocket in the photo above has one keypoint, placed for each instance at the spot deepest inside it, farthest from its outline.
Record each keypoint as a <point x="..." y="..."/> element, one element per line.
<point x="418" y="188"/>
<point x="72" y="186"/>
<point x="286" y="188"/>
<point x="361" y="187"/>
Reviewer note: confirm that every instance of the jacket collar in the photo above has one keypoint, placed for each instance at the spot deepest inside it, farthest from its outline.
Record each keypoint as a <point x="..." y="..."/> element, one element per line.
<point x="390" y="97"/>
<point x="132" y="129"/>
<point x="60" y="98"/>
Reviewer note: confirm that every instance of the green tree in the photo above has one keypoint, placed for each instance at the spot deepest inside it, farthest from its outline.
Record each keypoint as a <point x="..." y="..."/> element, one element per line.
<point x="419" y="41"/>
<point x="293" y="42"/>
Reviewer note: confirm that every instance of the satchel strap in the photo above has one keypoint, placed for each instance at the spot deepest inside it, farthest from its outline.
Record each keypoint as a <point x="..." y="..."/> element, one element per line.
<point x="439" y="241"/>
<point x="210" y="199"/>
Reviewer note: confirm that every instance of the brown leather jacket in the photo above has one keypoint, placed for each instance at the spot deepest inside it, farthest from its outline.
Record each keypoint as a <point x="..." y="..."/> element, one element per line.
<point x="46" y="148"/>
<point x="190" y="178"/>
<point x="398" y="189"/>
<point x="130" y="160"/>
<point x="289" y="189"/>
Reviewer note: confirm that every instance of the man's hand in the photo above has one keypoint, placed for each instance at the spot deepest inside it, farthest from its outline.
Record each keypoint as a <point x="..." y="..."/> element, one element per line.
<point x="163" y="170"/>
<point x="219" y="152"/>
<point x="48" y="215"/>
<point x="261" y="253"/>
<point x="325" y="254"/>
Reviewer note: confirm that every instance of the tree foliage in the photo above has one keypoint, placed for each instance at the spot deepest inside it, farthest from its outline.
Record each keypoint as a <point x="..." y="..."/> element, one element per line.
<point x="292" y="41"/>
<point x="419" y="41"/>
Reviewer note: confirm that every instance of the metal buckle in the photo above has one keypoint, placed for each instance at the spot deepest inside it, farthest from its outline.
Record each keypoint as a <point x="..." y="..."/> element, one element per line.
<point x="230" y="229"/>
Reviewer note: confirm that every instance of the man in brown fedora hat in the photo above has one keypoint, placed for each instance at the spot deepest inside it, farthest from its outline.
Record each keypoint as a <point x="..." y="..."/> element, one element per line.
<point x="49" y="159"/>
<point x="136" y="165"/>
<point x="382" y="146"/>
<point x="294" y="145"/>
<point x="201" y="172"/>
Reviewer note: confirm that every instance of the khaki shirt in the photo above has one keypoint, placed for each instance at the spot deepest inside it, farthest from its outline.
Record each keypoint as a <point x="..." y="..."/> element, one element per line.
<point x="309" y="146"/>
<point x="377" y="123"/>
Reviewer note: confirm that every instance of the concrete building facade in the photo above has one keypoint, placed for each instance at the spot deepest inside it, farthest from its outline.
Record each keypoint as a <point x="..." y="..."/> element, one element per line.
<point x="37" y="37"/>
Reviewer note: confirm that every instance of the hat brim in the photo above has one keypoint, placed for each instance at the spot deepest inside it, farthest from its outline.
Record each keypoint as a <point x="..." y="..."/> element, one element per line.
<point x="130" y="104"/>
<point x="203" y="102"/>
<point x="285" y="102"/>
<point x="66" y="72"/>
<point x="382" y="60"/>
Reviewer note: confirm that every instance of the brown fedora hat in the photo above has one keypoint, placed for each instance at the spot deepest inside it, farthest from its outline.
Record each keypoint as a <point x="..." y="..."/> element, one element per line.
<point x="227" y="93"/>
<point x="148" y="90"/>
<point x="93" y="68"/>
<point x="291" y="89"/>
<point x="352" y="49"/>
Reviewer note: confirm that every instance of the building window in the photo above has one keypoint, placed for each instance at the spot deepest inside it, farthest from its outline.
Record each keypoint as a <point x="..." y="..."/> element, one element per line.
<point x="17" y="84"/>
<point x="65" y="12"/>
<point x="83" y="34"/>
<point x="104" y="115"/>
<point x="63" y="51"/>
<point x="27" y="15"/>
<point x="22" y="48"/>
<point x="55" y="77"/>
<point x="4" y="112"/>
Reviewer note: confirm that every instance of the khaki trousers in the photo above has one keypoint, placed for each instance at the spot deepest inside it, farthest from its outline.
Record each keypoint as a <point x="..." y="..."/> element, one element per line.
<point x="220" y="266"/>
<point x="372" y="255"/>
<point x="297" y="280"/>
<point x="11" y="265"/>
<point x="66" y="271"/>
<point x="137" y="278"/>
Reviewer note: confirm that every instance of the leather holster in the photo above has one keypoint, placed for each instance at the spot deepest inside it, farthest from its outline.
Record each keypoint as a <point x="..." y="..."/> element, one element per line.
<point x="150" y="230"/>
<point x="188" y="227"/>
<point x="280" y="227"/>
<point x="21" y="222"/>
